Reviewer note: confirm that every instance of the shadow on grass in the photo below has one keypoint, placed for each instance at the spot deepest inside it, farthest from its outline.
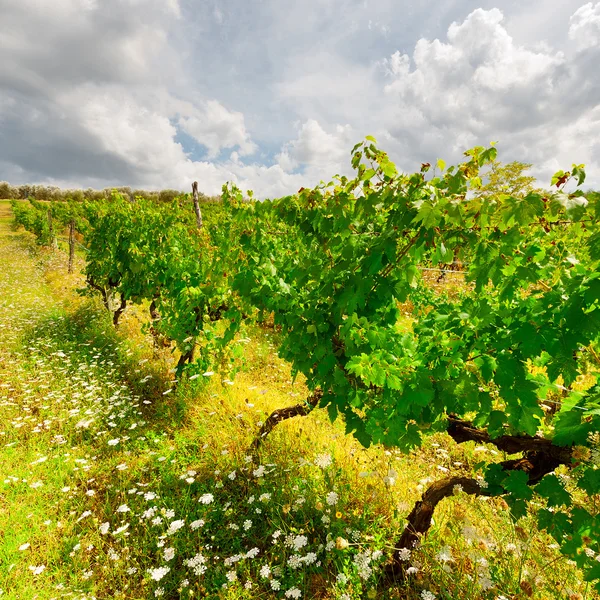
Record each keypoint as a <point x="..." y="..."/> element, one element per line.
<point x="86" y="334"/>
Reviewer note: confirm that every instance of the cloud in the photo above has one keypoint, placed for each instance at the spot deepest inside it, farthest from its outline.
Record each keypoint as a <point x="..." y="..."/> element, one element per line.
<point x="77" y="41"/>
<point x="480" y="86"/>
<point x="585" y="26"/>
<point x="153" y="93"/>
<point x="314" y="148"/>
<point x="215" y="127"/>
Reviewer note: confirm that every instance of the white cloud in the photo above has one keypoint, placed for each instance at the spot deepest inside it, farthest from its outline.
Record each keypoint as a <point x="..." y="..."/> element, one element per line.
<point x="216" y="127"/>
<point x="317" y="149"/>
<point x="585" y="26"/>
<point x="480" y="86"/>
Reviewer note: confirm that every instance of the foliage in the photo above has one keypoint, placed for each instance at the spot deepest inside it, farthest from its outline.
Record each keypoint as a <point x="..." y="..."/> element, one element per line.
<point x="334" y="265"/>
<point x="531" y="297"/>
<point x="508" y="179"/>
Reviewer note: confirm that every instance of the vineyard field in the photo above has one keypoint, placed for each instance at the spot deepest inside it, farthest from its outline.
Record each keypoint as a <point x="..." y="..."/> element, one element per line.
<point x="382" y="387"/>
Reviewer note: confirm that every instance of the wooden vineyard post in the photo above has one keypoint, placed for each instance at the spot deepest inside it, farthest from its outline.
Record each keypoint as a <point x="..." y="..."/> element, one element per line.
<point x="197" y="205"/>
<point x="71" y="244"/>
<point x="52" y="240"/>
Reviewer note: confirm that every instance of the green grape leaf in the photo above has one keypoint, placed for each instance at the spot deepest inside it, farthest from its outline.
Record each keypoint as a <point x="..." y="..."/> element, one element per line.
<point x="569" y="429"/>
<point x="553" y="490"/>
<point x="590" y="482"/>
<point x="517" y="484"/>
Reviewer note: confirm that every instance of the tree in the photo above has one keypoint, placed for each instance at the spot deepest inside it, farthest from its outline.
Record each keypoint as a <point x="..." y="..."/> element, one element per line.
<point x="507" y="179"/>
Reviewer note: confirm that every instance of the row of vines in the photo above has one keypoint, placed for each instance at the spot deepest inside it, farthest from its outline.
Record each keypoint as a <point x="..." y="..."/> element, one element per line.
<point x="492" y="362"/>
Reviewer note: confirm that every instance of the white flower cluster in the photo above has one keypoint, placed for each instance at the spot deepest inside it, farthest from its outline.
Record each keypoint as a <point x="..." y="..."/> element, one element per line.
<point x="197" y="564"/>
<point x="363" y="561"/>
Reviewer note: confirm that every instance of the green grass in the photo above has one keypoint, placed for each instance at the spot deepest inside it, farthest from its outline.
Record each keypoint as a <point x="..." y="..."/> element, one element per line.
<point x="87" y="413"/>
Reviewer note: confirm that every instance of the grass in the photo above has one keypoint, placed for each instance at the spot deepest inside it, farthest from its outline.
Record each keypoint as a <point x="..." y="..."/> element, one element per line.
<point x="115" y="485"/>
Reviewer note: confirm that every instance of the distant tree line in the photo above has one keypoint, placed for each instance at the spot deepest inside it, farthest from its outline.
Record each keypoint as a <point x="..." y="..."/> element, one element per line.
<point x="54" y="193"/>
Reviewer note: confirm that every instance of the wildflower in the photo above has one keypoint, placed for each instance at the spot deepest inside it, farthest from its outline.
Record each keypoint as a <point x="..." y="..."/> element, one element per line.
<point x="485" y="582"/>
<point x="206" y="498"/>
<point x="158" y="574"/>
<point x="362" y="560"/>
<point x="265" y="571"/>
<point x="259" y="472"/>
<point x="264" y="497"/>
<point x="196" y="564"/>
<point x="231" y="576"/>
<point x="247" y="524"/>
<point x="159" y="592"/>
<point x="299" y="542"/>
<point x="341" y="543"/>
<point x="149" y="513"/>
<point x="121" y="529"/>
<point x="426" y="595"/>
<point x="104" y="528"/>
<point x="332" y="498"/>
<point x="84" y="514"/>
<point x="293" y="593"/>
<point x="123" y="508"/>
<point x="196" y="524"/>
<point x="24" y="546"/>
<point x="113" y="442"/>
<point x="323" y="461"/>
<point x="275" y="585"/>
<point x="444" y="555"/>
<point x="390" y="478"/>
<point x="169" y="553"/>
<point x="175" y="526"/>
<point x="404" y="554"/>
<point x="36" y="570"/>
<point x="231" y="475"/>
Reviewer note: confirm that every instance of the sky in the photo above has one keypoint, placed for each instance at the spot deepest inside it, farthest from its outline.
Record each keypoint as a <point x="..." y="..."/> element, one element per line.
<point x="273" y="94"/>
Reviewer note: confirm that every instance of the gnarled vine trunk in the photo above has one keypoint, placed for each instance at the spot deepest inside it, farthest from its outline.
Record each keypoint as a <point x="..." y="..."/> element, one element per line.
<point x="117" y="314"/>
<point x="540" y="458"/>
<point x="289" y="412"/>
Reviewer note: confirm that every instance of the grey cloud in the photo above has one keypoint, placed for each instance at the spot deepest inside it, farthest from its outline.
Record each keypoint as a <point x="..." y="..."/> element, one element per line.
<point x="295" y="80"/>
<point x="51" y="145"/>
